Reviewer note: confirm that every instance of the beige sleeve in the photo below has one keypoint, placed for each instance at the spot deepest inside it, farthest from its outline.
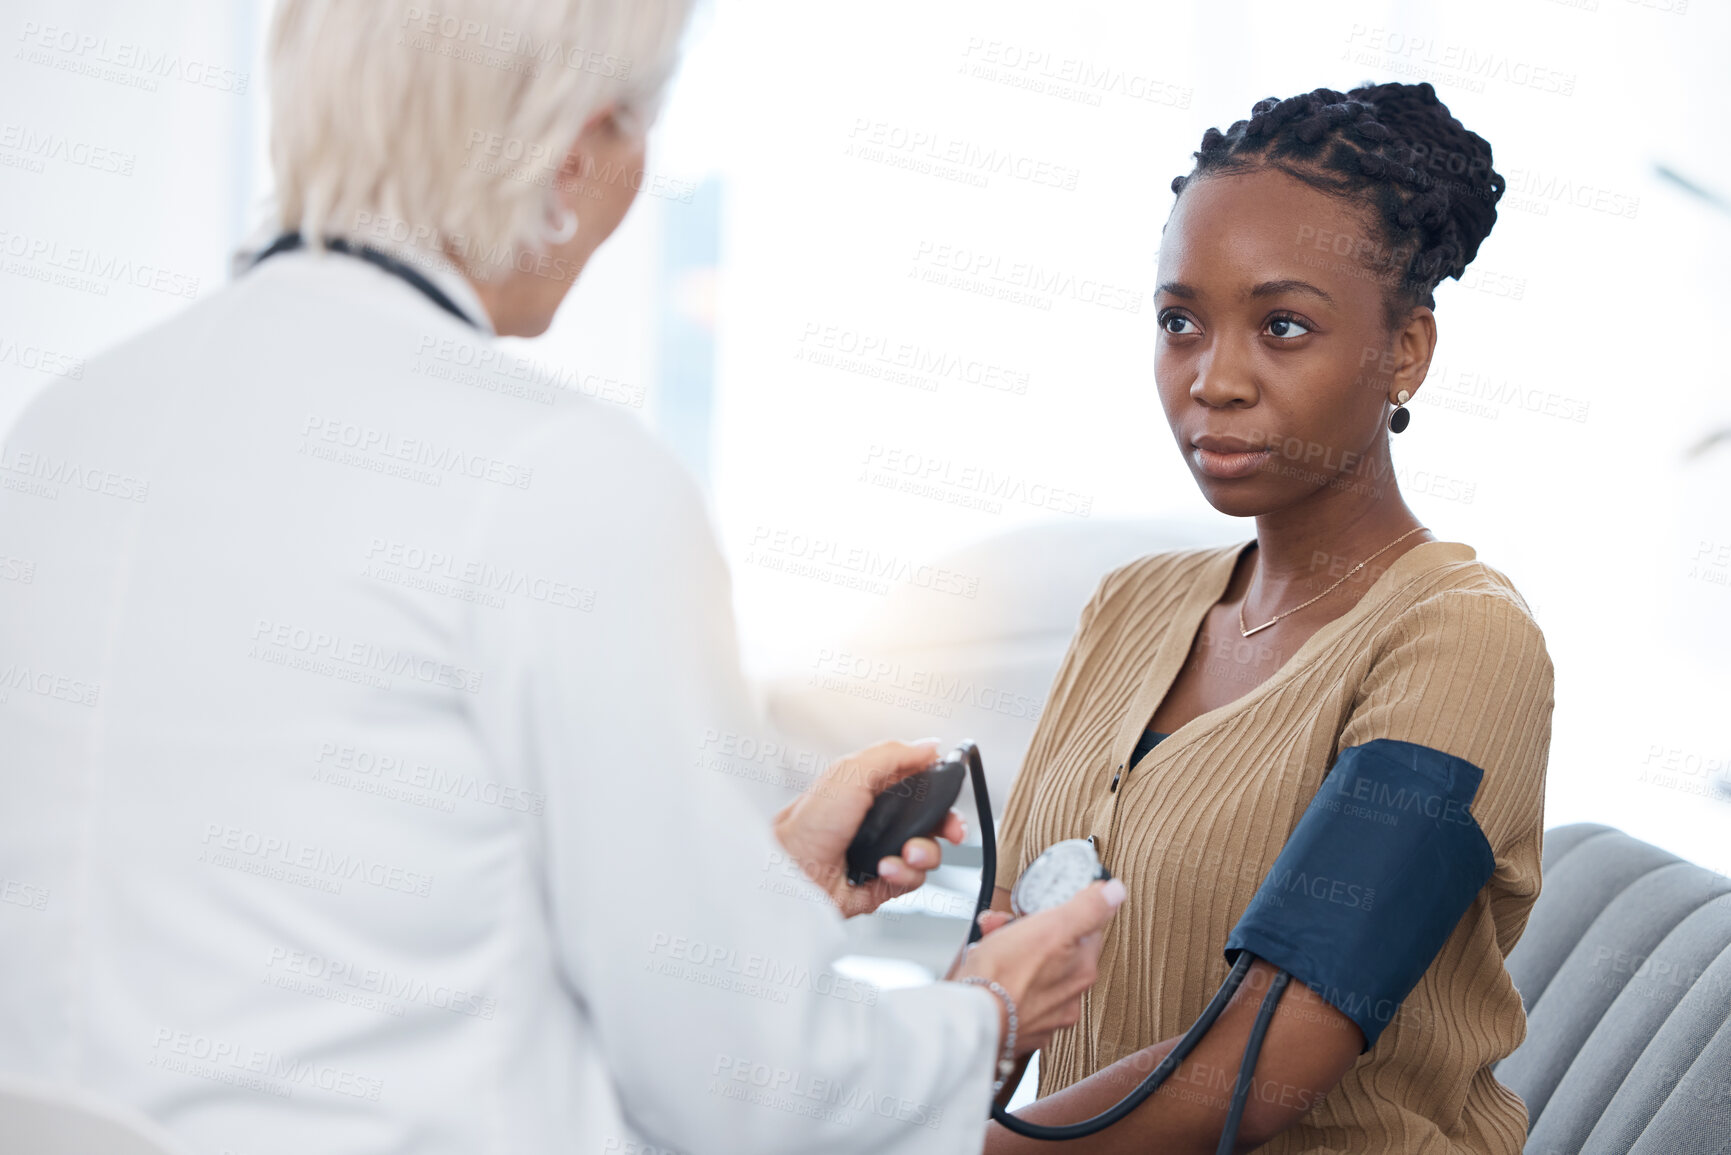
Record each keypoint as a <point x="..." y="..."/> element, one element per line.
<point x="1466" y="672"/>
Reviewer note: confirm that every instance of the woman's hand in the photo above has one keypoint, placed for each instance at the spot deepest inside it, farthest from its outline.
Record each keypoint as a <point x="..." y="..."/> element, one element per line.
<point x="1045" y="960"/>
<point x="817" y="827"/>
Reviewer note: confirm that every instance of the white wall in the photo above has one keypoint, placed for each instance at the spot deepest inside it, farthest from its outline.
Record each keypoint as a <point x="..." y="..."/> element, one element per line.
<point x="131" y="163"/>
<point x="133" y="147"/>
<point x="122" y="179"/>
<point x="1570" y="311"/>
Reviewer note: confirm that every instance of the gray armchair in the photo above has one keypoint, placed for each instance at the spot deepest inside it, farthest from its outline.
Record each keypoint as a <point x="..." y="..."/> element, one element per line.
<point x="1625" y="971"/>
<point x="1625" y="965"/>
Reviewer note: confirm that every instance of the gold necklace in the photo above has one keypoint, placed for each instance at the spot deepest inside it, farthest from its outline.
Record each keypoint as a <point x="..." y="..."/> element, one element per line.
<point x="1246" y="632"/>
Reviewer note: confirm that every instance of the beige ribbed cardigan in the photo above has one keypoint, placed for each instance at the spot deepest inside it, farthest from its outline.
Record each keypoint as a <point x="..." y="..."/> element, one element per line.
<point x="1442" y="651"/>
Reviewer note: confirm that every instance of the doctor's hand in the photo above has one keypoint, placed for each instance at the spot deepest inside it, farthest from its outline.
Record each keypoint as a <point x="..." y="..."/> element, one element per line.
<point x="1045" y="961"/>
<point x="816" y="828"/>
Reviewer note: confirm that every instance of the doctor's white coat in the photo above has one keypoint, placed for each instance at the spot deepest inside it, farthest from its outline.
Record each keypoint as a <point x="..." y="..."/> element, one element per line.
<point x="364" y="708"/>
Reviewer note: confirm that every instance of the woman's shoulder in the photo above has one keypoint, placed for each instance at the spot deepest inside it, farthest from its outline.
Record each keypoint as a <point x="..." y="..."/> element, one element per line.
<point x="1147" y="589"/>
<point x="1462" y="597"/>
<point x="1167" y="573"/>
<point x="1465" y="576"/>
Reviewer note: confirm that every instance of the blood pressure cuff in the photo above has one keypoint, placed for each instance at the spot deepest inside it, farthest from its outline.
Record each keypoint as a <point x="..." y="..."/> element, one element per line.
<point x="1383" y="864"/>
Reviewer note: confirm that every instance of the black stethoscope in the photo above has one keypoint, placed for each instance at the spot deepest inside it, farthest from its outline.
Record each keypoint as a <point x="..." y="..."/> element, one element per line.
<point x="1388" y="809"/>
<point x="1061" y="871"/>
<point x="289" y="242"/>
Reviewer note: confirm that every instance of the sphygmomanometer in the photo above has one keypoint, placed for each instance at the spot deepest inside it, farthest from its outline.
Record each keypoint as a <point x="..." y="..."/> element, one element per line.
<point x="1371" y="882"/>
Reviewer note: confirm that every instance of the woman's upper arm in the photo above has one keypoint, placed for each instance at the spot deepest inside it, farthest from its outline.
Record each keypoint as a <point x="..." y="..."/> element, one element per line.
<point x="1466" y="672"/>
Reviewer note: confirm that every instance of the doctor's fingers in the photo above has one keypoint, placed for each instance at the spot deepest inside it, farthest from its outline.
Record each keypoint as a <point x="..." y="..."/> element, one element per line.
<point x="1074" y="969"/>
<point x="1074" y="927"/>
<point x="907" y="871"/>
<point x="1088" y="912"/>
<point x="1062" y="1017"/>
<point x="882" y="765"/>
<point x="896" y="877"/>
<point x="920" y="854"/>
<point x="1045" y="976"/>
<point x="1071" y="960"/>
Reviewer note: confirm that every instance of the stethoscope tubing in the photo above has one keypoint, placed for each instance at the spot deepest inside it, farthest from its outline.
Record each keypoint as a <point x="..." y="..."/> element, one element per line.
<point x="1173" y="1058"/>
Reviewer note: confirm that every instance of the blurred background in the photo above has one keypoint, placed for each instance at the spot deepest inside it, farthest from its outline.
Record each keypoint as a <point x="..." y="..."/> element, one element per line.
<point x="887" y="292"/>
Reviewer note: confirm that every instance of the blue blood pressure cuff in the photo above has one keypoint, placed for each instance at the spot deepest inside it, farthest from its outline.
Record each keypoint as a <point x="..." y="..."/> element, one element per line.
<point x="1373" y="880"/>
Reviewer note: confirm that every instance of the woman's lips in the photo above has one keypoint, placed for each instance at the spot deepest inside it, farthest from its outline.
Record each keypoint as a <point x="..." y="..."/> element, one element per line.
<point x="1228" y="466"/>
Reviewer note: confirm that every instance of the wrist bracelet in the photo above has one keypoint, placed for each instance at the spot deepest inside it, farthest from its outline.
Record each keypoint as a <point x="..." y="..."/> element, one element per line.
<point x="1006" y="1059"/>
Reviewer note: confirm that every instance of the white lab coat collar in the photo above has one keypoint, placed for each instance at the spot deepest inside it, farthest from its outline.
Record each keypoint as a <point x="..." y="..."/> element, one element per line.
<point x="435" y="266"/>
<point x="443" y="272"/>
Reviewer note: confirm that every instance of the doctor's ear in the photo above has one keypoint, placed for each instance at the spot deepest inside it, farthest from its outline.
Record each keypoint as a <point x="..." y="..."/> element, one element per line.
<point x="598" y="178"/>
<point x="593" y="139"/>
<point x="608" y="153"/>
<point x="607" y="128"/>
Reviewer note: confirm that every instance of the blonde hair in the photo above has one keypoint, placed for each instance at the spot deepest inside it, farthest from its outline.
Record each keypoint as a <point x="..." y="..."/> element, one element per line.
<point x="440" y="126"/>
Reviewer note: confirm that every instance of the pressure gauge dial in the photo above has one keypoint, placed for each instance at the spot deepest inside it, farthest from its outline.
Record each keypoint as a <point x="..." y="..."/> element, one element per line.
<point x="1057" y="876"/>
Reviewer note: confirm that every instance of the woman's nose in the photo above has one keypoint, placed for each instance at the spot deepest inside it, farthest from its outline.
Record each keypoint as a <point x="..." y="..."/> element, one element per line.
<point x="1223" y="379"/>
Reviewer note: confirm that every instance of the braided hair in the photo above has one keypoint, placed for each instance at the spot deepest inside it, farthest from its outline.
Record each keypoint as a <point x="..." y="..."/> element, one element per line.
<point x="1395" y="148"/>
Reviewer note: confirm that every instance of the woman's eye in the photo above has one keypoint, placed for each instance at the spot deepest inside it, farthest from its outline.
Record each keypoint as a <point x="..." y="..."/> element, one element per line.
<point x="1288" y="327"/>
<point x="1171" y="322"/>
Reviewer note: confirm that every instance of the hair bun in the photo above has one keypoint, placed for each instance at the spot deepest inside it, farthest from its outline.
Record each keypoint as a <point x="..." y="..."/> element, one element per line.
<point x="1396" y="147"/>
<point x="1446" y="156"/>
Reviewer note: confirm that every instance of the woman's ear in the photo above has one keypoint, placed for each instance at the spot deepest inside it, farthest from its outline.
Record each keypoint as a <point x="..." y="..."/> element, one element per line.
<point x="1414" y="346"/>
